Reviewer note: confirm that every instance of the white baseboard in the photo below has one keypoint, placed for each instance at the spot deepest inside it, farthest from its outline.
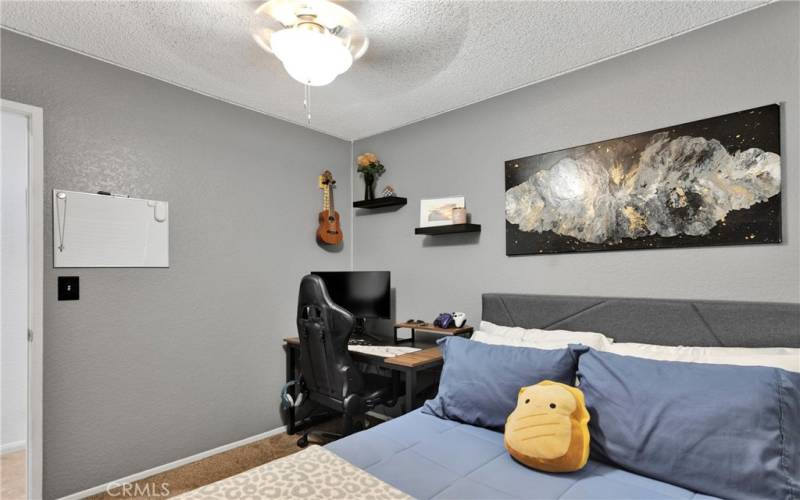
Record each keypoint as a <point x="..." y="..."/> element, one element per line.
<point x="12" y="447"/>
<point x="177" y="463"/>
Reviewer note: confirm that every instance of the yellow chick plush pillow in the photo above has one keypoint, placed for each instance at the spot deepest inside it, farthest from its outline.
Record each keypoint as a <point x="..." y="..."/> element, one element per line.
<point x="549" y="429"/>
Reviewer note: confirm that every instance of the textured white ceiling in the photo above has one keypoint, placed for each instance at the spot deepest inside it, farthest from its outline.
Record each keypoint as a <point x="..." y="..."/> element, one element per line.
<point x="425" y="57"/>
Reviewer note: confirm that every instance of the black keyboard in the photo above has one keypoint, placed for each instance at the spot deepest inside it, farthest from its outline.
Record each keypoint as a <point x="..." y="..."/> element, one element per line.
<point x="361" y="341"/>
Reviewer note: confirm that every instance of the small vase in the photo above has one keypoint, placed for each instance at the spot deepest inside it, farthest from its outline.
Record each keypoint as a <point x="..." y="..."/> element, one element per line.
<point x="369" y="187"/>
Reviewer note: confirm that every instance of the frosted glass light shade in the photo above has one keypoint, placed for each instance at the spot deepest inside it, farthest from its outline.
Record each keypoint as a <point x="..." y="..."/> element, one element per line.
<point x="311" y="57"/>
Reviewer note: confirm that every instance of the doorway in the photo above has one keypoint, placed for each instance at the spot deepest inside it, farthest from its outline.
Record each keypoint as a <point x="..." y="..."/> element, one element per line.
<point x="21" y="286"/>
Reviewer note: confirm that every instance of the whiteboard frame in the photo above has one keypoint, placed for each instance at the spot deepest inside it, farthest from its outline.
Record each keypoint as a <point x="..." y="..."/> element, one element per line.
<point x="104" y="266"/>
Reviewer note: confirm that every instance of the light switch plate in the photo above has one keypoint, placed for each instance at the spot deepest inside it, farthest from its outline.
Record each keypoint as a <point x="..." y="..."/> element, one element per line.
<point x="68" y="288"/>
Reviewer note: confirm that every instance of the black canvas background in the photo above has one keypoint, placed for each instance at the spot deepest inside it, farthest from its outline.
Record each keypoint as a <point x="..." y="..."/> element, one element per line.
<point x="761" y="223"/>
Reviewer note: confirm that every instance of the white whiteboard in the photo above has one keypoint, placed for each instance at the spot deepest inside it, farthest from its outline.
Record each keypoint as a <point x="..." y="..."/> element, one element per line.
<point x="95" y="230"/>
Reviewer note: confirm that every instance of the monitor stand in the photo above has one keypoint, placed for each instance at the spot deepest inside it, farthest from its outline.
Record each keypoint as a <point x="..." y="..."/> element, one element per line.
<point x="360" y="330"/>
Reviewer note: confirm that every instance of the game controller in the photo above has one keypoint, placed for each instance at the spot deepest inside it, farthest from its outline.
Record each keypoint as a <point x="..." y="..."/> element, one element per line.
<point x="444" y="320"/>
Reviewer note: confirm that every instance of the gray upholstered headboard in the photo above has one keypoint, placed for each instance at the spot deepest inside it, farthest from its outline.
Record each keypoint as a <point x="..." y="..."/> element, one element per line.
<point x="652" y="321"/>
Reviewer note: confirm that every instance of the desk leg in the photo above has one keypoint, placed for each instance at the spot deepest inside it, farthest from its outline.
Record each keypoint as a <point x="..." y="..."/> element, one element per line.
<point x="396" y="386"/>
<point x="290" y="367"/>
<point x="411" y="390"/>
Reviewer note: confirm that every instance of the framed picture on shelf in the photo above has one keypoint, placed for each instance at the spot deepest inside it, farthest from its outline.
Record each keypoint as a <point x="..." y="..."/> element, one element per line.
<point x="439" y="211"/>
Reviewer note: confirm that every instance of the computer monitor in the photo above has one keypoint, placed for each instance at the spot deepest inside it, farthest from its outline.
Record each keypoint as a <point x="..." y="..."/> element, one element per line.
<point x="366" y="294"/>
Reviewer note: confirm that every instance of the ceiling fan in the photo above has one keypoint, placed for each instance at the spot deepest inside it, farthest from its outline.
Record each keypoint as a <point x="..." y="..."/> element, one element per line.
<point x="316" y="40"/>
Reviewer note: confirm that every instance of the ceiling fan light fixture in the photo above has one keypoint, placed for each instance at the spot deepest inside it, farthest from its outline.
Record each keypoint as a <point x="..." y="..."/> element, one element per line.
<point x="316" y="40"/>
<point x="311" y="57"/>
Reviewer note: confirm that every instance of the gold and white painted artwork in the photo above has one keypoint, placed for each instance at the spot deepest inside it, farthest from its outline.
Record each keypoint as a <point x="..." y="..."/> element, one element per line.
<point x="710" y="182"/>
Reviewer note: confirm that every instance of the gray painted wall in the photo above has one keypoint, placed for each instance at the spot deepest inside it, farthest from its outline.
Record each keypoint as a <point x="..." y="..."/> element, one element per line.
<point x="153" y="365"/>
<point x="747" y="61"/>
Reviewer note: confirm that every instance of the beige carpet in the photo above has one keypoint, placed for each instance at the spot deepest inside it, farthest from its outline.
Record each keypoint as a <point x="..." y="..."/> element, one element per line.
<point x="211" y="469"/>
<point x="13" y="481"/>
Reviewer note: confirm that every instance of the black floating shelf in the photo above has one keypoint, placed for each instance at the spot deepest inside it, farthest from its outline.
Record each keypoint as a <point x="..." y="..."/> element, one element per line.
<point x="450" y="229"/>
<point x="387" y="201"/>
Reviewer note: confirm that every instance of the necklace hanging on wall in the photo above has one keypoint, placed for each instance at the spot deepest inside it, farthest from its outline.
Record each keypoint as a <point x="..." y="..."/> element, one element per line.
<point x="61" y="216"/>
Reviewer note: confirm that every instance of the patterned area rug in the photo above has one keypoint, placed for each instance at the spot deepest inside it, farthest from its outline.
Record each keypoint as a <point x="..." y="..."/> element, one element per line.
<point x="312" y="473"/>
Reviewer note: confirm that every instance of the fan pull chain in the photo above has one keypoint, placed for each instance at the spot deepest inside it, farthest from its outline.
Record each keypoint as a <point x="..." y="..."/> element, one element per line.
<point x="307" y="103"/>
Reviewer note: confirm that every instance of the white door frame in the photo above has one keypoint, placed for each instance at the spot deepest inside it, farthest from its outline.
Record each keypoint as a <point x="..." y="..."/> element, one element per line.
<point x="35" y="200"/>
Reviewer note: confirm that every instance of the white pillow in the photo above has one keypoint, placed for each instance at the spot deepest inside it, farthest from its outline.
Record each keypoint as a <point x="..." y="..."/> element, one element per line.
<point x="495" y="339"/>
<point x="542" y="339"/>
<point x="776" y="357"/>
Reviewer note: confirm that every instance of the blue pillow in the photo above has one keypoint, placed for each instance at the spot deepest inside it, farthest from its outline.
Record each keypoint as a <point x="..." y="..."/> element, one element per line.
<point x="728" y="431"/>
<point x="480" y="382"/>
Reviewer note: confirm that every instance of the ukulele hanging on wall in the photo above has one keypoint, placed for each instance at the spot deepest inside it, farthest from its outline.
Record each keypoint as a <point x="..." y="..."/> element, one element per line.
<point x="329" y="232"/>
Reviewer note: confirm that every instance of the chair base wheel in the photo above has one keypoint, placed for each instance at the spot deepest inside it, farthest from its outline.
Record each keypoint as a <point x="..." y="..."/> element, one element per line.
<point x="302" y="442"/>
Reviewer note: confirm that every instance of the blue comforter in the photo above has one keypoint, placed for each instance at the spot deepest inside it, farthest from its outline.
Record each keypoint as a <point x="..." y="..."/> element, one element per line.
<point x="428" y="457"/>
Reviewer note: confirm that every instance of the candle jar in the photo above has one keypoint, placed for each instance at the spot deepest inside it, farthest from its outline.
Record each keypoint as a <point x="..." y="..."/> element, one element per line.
<point x="460" y="215"/>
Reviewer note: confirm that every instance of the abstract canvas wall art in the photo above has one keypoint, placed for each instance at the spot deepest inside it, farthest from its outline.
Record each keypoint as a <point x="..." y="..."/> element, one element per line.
<point x="710" y="182"/>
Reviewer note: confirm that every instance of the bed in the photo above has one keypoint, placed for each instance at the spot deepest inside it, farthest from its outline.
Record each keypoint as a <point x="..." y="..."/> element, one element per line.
<point x="428" y="457"/>
<point x="423" y="456"/>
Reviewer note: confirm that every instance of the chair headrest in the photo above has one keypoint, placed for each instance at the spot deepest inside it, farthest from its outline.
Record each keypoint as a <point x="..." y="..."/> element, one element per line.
<point x="313" y="291"/>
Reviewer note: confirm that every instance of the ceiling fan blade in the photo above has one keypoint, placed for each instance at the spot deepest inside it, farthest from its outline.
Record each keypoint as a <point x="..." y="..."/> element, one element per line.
<point x="401" y="48"/>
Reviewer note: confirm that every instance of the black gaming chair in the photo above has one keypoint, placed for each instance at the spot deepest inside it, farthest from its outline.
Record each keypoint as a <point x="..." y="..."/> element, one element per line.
<point x="329" y="375"/>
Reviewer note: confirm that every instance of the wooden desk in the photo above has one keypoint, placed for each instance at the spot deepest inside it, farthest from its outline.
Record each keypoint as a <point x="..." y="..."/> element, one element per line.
<point x="429" y="328"/>
<point x="408" y="366"/>
<point x="428" y="354"/>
